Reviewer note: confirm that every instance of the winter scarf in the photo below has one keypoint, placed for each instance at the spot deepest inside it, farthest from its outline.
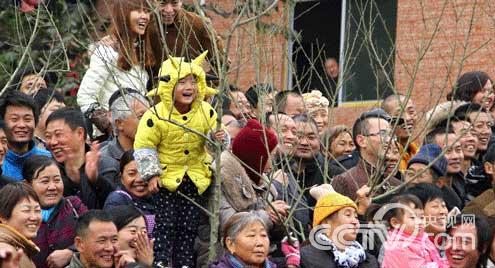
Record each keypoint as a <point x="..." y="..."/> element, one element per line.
<point x="351" y="257"/>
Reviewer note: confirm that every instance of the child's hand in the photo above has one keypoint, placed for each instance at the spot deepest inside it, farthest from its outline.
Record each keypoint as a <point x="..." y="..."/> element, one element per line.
<point x="220" y="135"/>
<point x="154" y="184"/>
<point x="291" y="252"/>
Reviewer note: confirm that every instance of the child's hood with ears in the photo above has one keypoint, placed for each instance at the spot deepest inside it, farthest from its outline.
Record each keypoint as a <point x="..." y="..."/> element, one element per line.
<point x="172" y="71"/>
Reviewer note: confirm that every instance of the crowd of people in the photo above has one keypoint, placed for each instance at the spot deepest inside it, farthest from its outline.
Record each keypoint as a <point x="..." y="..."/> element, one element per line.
<point x="127" y="178"/>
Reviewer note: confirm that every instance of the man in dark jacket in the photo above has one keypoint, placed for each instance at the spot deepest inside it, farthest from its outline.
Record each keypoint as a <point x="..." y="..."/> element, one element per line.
<point x="181" y="34"/>
<point x="85" y="173"/>
<point x="473" y="124"/>
<point x="307" y="164"/>
<point x="444" y="136"/>
<point x="484" y="204"/>
<point x="372" y="136"/>
<point x="343" y="163"/>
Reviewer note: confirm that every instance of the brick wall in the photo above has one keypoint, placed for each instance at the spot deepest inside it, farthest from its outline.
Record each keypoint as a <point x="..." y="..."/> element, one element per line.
<point x="250" y="48"/>
<point x="441" y="28"/>
<point x="458" y="37"/>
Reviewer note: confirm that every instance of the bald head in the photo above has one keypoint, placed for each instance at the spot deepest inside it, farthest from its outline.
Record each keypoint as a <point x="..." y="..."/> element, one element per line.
<point x="392" y="102"/>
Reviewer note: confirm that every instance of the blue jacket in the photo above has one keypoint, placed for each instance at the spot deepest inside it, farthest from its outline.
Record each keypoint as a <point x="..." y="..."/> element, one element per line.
<point x="12" y="164"/>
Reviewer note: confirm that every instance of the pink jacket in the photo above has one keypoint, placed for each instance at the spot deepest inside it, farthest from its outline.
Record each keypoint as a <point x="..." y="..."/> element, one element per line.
<point x="406" y="251"/>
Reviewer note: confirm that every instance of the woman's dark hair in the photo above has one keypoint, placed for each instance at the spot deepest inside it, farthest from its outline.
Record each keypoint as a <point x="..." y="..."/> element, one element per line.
<point x="46" y="95"/>
<point x="126" y="158"/>
<point x="395" y="211"/>
<point x="123" y="215"/>
<point x="468" y="85"/>
<point x="426" y="192"/>
<point x="13" y="193"/>
<point x="34" y="165"/>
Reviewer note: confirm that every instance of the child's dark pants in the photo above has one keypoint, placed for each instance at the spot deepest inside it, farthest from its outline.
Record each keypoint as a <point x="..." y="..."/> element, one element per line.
<point x="177" y="221"/>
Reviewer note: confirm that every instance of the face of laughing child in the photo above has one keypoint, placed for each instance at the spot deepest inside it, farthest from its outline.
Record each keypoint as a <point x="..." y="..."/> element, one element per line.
<point x="411" y="221"/>
<point x="185" y="92"/>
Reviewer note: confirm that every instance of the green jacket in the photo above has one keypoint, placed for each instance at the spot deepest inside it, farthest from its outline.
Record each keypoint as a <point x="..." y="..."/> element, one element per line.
<point x="75" y="262"/>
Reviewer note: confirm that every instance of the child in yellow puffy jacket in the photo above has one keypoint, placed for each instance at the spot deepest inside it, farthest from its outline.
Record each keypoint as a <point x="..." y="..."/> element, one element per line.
<point x="171" y="156"/>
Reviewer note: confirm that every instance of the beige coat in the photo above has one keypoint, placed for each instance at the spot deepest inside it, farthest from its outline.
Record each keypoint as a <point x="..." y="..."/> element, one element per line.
<point x="12" y="240"/>
<point x="239" y="192"/>
<point x="484" y="205"/>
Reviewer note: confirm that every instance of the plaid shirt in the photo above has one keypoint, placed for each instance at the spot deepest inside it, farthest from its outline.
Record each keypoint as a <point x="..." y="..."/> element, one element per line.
<point x="59" y="231"/>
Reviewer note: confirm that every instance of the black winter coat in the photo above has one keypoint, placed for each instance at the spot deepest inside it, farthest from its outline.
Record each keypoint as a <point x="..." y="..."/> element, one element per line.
<point x="312" y="257"/>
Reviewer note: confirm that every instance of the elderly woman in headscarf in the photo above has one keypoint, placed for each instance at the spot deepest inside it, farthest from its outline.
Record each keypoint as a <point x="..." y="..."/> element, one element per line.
<point x="317" y="107"/>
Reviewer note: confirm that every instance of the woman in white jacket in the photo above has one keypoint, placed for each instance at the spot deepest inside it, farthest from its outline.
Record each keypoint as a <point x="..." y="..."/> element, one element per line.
<point x="118" y="61"/>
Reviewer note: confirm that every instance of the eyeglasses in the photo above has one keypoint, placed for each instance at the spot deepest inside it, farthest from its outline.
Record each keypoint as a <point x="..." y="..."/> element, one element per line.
<point x="381" y="134"/>
<point x="384" y="135"/>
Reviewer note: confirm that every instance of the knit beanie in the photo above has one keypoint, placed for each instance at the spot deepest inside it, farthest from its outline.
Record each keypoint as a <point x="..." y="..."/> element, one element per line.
<point x="329" y="204"/>
<point x="427" y="154"/>
<point x="252" y="146"/>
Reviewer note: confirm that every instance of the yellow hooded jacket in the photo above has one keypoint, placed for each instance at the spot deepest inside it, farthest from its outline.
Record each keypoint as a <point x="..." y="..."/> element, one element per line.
<point x="163" y="134"/>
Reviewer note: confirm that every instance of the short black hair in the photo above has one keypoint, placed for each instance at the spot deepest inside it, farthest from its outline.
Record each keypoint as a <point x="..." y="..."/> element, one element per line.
<point x="13" y="193"/>
<point x="46" y="95"/>
<point x="34" y="165"/>
<point x="462" y="112"/>
<point x="90" y="216"/>
<point x="2" y="125"/>
<point x="441" y="129"/>
<point x="254" y="91"/>
<point x="281" y="99"/>
<point x="49" y="77"/>
<point x="227" y="101"/>
<point x="19" y="99"/>
<point x="360" y="126"/>
<point x="123" y="215"/>
<point x="426" y="192"/>
<point x="304" y="118"/>
<point x="71" y="116"/>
